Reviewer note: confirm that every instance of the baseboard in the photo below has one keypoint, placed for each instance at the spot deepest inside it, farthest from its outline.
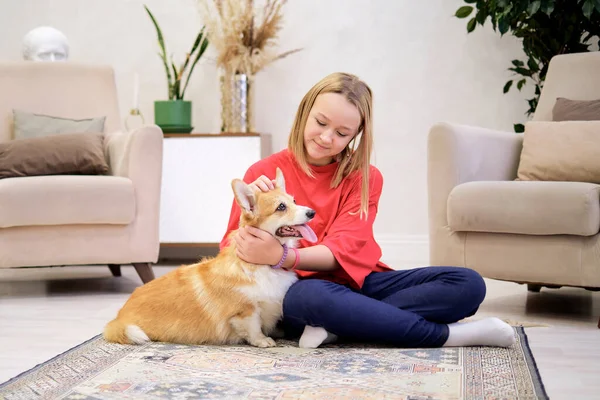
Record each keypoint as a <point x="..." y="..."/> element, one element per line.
<point x="399" y="251"/>
<point x="404" y="251"/>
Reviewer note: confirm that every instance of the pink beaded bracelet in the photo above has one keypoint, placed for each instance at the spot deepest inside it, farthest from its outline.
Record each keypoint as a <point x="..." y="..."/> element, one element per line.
<point x="283" y="257"/>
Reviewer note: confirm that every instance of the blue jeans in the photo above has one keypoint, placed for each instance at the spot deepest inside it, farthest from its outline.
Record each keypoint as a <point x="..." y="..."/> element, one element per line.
<point x="408" y="308"/>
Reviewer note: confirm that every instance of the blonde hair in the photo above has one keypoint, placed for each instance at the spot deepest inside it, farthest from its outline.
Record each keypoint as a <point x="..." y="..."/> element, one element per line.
<point x="350" y="159"/>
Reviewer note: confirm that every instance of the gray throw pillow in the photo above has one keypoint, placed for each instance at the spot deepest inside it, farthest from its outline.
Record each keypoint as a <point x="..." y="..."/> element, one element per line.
<point x="29" y="125"/>
<point x="576" y="110"/>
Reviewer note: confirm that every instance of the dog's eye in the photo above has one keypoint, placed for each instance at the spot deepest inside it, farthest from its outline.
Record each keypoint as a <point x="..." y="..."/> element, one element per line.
<point x="281" y="207"/>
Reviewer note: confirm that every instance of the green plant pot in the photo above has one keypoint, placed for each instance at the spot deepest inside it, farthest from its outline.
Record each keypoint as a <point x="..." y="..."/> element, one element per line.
<point x="173" y="116"/>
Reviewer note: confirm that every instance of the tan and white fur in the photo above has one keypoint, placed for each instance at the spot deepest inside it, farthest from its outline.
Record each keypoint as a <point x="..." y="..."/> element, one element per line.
<point x="221" y="300"/>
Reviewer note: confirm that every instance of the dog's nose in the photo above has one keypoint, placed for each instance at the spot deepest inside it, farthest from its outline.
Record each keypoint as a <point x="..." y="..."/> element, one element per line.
<point x="310" y="213"/>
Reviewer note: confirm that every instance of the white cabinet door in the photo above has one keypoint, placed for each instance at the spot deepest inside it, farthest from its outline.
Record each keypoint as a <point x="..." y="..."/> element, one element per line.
<point x="196" y="194"/>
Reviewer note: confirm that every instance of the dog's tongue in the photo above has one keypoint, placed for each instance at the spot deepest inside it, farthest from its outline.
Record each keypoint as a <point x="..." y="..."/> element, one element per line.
<point x="306" y="232"/>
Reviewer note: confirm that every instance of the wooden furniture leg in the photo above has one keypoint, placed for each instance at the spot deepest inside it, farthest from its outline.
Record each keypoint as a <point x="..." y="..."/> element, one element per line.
<point x="534" y="288"/>
<point x="145" y="271"/>
<point x="115" y="269"/>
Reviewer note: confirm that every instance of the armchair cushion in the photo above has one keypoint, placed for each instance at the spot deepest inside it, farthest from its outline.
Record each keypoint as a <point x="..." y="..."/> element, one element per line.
<point x="560" y="151"/>
<point x="576" y="110"/>
<point x="72" y="153"/>
<point x="29" y="125"/>
<point x="66" y="199"/>
<point x="530" y="208"/>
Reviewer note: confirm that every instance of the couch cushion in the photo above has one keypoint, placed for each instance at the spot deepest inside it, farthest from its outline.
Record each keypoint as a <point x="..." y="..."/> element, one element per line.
<point x="30" y="125"/>
<point x="560" y="151"/>
<point x="531" y="208"/>
<point x="72" y="154"/>
<point x="576" y="110"/>
<point x="66" y="199"/>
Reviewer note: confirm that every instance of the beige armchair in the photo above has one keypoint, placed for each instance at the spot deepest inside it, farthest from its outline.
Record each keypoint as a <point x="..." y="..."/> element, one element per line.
<point x="539" y="233"/>
<point x="62" y="220"/>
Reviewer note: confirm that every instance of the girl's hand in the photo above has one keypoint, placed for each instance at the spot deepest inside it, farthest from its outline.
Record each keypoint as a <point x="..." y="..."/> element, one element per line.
<point x="263" y="183"/>
<point x="256" y="246"/>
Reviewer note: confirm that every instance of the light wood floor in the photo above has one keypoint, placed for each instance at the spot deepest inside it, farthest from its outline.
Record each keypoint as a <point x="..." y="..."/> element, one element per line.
<point x="45" y="311"/>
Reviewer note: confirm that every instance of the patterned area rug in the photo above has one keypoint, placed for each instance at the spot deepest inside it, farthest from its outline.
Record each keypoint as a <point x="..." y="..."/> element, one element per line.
<point x="100" y="370"/>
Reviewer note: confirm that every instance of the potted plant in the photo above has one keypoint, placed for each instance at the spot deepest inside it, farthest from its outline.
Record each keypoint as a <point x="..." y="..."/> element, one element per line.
<point x="545" y="27"/>
<point x="175" y="114"/>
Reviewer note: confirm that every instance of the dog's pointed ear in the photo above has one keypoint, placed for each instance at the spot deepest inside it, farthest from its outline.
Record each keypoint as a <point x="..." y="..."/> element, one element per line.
<point x="279" y="179"/>
<point x="244" y="196"/>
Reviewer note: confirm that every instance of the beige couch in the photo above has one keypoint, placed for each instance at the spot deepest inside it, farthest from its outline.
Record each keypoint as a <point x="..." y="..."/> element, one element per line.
<point x="540" y="233"/>
<point x="64" y="220"/>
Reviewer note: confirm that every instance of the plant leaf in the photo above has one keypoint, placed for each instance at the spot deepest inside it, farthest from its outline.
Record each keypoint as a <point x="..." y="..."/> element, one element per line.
<point x="169" y="78"/>
<point x="518" y="63"/>
<point x="533" y="66"/>
<point x="161" y="43"/>
<point x="548" y="7"/>
<point x="481" y="16"/>
<point x="520" y="84"/>
<point x="464" y="12"/>
<point x="534" y="7"/>
<point x="189" y="56"/>
<point x="471" y="25"/>
<point x="588" y="8"/>
<point x="519" y="128"/>
<point x="204" y="40"/>
<point x="521" y="71"/>
<point x="176" y="81"/>
<point x="502" y="26"/>
<point x="507" y="86"/>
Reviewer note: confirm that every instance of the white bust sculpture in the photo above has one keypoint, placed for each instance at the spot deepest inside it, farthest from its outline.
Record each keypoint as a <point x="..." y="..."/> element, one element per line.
<point x="45" y="43"/>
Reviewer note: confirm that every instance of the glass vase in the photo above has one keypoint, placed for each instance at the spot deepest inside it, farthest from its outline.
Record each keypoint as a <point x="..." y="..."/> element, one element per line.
<point x="237" y="103"/>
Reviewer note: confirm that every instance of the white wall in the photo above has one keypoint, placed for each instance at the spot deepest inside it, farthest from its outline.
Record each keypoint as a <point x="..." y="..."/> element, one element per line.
<point x="418" y="59"/>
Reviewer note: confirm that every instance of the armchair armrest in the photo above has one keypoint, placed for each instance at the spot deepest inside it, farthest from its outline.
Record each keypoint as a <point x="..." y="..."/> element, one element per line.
<point x="457" y="154"/>
<point x="127" y="151"/>
<point x="138" y="155"/>
<point x="467" y="153"/>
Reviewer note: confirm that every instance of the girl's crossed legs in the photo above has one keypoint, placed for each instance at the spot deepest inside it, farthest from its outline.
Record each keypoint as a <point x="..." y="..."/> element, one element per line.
<point x="408" y="308"/>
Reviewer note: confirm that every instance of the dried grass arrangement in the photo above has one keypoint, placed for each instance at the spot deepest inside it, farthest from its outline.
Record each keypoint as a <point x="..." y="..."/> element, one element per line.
<point x="243" y="35"/>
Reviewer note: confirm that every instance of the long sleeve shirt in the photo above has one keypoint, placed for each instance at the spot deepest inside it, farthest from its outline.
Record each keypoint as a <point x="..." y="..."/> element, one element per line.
<point x="337" y="222"/>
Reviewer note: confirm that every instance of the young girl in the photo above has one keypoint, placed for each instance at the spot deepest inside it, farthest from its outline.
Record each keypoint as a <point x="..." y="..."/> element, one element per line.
<point x="345" y="290"/>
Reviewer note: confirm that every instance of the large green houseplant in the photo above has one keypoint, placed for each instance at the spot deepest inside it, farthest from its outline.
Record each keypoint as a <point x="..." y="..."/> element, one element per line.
<point x="546" y="28"/>
<point x="175" y="114"/>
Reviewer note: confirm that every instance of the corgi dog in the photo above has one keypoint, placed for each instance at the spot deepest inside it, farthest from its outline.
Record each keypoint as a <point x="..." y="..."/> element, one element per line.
<point x="220" y="300"/>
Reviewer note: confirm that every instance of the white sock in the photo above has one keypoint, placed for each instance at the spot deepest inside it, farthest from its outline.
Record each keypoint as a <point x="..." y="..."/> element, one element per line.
<point x="486" y="332"/>
<point x="314" y="336"/>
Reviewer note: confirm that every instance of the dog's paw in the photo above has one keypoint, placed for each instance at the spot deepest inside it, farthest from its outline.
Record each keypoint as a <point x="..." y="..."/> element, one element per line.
<point x="263" y="342"/>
